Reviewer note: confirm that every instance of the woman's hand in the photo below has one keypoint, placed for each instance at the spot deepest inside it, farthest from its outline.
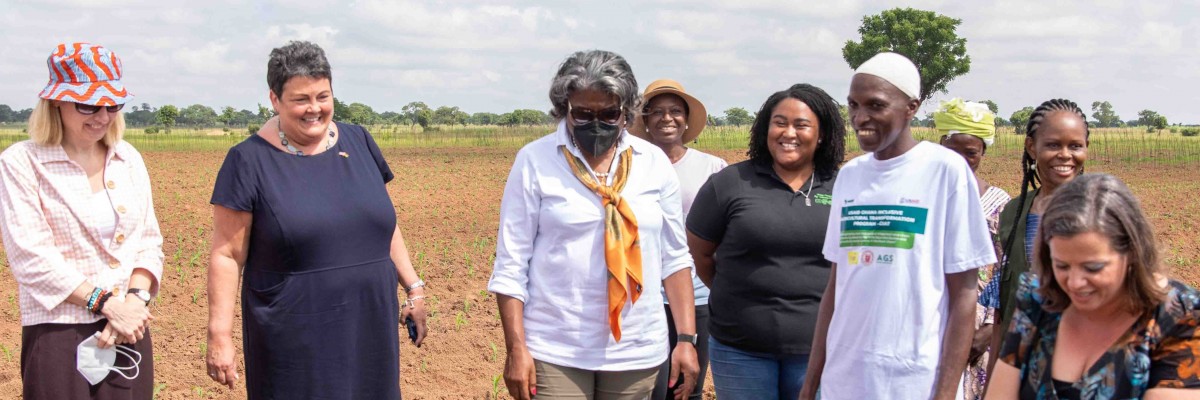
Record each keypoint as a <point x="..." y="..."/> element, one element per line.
<point x="128" y="318"/>
<point x="683" y="361"/>
<point x="221" y="366"/>
<point x="980" y="342"/>
<point x="519" y="374"/>
<point x="108" y="338"/>
<point x="416" y="310"/>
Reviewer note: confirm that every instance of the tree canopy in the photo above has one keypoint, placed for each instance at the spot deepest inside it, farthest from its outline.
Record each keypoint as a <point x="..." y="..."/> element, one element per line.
<point x="927" y="38"/>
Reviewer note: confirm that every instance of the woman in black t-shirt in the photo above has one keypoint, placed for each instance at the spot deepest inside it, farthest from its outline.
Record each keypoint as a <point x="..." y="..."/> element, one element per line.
<point x="756" y="231"/>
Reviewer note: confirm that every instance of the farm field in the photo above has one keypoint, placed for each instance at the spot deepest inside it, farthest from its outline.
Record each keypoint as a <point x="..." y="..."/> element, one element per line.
<point x="447" y="199"/>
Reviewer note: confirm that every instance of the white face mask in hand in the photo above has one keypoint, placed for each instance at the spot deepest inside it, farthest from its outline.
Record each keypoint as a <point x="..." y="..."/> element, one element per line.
<point x="95" y="363"/>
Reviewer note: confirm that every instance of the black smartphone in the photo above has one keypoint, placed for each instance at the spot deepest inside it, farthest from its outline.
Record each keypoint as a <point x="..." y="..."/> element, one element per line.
<point x="412" y="329"/>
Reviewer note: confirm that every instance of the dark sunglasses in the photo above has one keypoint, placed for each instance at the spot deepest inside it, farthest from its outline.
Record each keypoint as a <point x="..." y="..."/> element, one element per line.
<point x="583" y="115"/>
<point x="88" y="109"/>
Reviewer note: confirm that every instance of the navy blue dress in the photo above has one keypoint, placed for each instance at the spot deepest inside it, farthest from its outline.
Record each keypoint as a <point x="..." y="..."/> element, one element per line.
<point x="319" y="287"/>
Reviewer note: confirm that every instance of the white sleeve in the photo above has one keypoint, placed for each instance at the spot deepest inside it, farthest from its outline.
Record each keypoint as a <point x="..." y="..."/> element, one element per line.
<point x="673" y="240"/>
<point x="967" y="244"/>
<point x="833" y="229"/>
<point x="518" y="228"/>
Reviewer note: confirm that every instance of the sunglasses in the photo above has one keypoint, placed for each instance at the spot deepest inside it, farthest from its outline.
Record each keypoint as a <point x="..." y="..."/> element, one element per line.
<point x="582" y="115"/>
<point x="88" y="109"/>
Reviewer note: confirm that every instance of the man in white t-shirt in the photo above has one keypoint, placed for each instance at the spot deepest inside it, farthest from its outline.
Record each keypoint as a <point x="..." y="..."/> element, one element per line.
<point x="906" y="236"/>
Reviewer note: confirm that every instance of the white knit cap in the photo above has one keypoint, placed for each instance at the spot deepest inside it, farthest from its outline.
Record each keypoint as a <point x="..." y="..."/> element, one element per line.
<point x="897" y="70"/>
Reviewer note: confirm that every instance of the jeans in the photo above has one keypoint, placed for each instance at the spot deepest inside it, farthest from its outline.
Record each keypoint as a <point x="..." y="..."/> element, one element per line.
<point x="664" y="372"/>
<point x="739" y="374"/>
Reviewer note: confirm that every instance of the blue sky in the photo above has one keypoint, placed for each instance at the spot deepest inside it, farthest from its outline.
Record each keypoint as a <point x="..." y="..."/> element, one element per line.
<point x="499" y="56"/>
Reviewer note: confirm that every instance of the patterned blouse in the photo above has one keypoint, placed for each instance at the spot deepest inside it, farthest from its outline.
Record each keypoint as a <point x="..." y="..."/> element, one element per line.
<point x="1161" y="350"/>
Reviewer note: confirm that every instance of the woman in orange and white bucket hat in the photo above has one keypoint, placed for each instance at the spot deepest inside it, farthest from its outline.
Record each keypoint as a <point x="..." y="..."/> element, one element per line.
<point x="81" y="236"/>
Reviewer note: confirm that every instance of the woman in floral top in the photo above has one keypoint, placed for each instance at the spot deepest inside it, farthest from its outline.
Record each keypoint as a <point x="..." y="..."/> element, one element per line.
<point x="1103" y="323"/>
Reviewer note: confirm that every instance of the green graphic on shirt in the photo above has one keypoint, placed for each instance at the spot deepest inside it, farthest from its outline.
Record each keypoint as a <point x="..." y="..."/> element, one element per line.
<point x="882" y="226"/>
<point x="823" y="199"/>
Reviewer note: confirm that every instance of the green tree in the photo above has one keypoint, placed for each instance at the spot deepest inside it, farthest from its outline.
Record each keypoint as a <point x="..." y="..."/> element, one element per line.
<point x="166" y="117"/>
<point x="197" y="115"/>
<point x="1020" y="118"/>
<point x="359" y="113"/>
<point x="228" y="116"/>
<point x="484" y="118"/>
<point x="1151" y="120"/>
<point x="927" y="38"/>
<point x="715" y="120"/>
<point x="392" y="117"/>
<point x="1103" y="113"/>
<point x="991" y="106"/>
<point x="341" y="111"/>
<point x="738" y="116"/>
<point x="414" y="110"/>
<point x="447" y="115"/>
<point x="264" y="113"/>
<point x="7" y="114"/>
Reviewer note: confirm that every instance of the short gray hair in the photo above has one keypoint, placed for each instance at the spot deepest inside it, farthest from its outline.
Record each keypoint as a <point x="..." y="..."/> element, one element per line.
<point x="595" y="69"/>
<point x="297" y="58"/>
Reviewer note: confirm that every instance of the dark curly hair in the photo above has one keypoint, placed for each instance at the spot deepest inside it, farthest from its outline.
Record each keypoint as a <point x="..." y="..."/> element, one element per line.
<point x="831" y="150"/>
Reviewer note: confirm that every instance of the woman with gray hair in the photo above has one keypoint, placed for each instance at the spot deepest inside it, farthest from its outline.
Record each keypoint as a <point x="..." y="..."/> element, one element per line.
<point x="319" y="268"/>
<point x="591" y="227"/>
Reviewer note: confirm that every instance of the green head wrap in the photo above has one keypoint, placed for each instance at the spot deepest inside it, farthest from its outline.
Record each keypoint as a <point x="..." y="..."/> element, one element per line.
<point x="965" y="117"/>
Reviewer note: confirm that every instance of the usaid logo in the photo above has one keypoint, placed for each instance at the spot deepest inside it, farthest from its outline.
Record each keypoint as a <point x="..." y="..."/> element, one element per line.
<point x="909" y="201"/>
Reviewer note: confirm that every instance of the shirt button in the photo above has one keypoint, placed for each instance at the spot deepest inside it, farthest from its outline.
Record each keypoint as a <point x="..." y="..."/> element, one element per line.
<point x="114" y="264"/>
<point x="121" y="209"/>
<point x="111" y="185"/>
<point x="120" y="238"/>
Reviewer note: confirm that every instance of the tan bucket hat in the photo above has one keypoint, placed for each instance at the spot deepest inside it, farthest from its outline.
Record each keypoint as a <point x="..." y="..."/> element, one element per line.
<point x="697" y="116"/>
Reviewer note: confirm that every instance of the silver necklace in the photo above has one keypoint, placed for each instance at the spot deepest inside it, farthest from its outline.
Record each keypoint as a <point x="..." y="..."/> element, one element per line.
<point x="807" y="200"/>
<point x="284" y="140"/>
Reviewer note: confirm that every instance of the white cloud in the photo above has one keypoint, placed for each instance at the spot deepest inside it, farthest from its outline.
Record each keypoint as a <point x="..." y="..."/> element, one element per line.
<point x="485" y="55"/>
<point x="322" y="35"/>
<point x="1160" y="37"/>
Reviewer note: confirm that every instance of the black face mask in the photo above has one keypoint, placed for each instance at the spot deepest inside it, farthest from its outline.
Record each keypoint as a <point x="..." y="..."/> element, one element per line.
<point x="596" y="137"/>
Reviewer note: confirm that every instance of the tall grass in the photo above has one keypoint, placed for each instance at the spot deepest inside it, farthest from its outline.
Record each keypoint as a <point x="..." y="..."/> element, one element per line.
<point x="1107" y="144"/>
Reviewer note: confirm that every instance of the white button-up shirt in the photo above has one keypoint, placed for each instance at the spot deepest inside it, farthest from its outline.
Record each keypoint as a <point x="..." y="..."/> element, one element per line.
<point x="52" y="234"/>
<point x="550" y="255"/>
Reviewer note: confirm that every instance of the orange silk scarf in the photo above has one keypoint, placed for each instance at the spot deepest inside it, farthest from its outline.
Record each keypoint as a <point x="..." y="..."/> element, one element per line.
<point x="622" y="252"/>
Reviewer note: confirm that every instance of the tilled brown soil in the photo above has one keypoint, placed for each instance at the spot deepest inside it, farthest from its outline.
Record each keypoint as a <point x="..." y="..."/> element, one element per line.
<point x="448" y="203"/>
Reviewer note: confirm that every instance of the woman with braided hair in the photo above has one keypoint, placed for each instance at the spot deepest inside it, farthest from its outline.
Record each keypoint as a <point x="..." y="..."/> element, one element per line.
<point x="1056" y="144"/>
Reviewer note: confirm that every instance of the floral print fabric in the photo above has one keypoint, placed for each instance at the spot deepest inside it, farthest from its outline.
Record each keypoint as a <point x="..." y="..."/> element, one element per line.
<point x="1160" y="350"/>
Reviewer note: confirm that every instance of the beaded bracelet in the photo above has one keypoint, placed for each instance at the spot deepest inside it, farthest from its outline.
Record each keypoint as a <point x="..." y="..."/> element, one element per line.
<point x="96" y="292"/>
<point x="100" y="302"/>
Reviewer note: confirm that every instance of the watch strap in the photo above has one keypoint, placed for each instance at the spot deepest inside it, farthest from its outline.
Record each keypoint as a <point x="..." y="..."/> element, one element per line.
<point x="683" y="337"/>
<point x="141" y="294"/>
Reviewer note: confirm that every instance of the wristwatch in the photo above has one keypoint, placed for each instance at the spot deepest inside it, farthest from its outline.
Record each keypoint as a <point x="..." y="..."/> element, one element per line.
<point x="141" y="294"/>
<point x="683" y="337"/>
